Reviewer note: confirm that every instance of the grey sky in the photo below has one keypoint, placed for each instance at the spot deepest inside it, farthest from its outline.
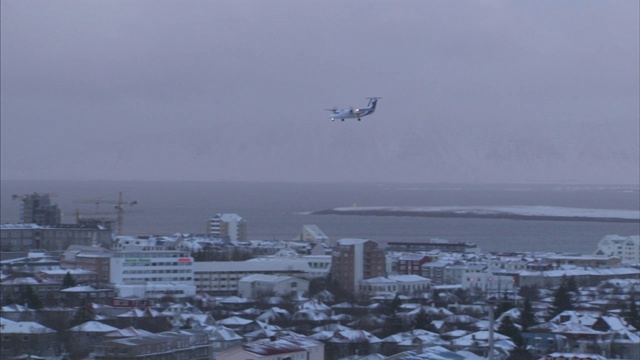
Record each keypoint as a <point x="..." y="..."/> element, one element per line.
<point x="485" y="91"/>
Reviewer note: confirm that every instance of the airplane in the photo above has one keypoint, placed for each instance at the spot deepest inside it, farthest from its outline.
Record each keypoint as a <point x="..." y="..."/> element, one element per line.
<point x="354" y="113"/>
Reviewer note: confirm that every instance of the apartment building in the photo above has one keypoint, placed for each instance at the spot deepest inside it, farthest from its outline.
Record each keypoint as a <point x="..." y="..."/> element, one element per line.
<point x="232" y="226"/>
<point x="627" y="248"/>
<point x="411" y="264"/>
<point x="354" y="260"/>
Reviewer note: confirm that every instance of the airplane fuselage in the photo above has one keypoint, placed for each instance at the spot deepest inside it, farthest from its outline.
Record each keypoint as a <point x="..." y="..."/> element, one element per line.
<point x="354" y="113"/>
<point x="349" y="114"/>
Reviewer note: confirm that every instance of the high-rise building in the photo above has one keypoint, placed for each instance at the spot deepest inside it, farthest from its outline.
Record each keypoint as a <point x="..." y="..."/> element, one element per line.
<point x="37" y="209"/>
<point x="354" y="260"/>
<point x="228" y="225"/>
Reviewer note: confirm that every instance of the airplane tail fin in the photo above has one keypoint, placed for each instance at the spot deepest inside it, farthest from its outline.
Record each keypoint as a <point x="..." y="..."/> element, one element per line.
<point x="372" y="102"/>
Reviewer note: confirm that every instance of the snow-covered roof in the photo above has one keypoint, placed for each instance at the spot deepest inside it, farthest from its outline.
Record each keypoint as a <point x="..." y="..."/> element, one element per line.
<point x="65" y="271"/>
<point x="313" y="304"/>
<point x="429" y="353"/>
<point x="269" y="347"/>
<point x="583" y="272"/>
<point x="408" y="278"/>
<point x="219" y="332"/>
<point x="127" y="332"/>
<point x="315" y="231"/>
<point x="576" y="356"/>
<point x="25" y="327"/>
<point x="15" y="308"/>
<point x="229" y="217"/>
<point x="615" y="323"/>
<point x="79" y="288"/>
<point x="273" y="314"/>
<point x="351" y="241"/>
<point x="346" y="336"/>
<point x="424" y="335"/>
<point x="19" y="226"/>
<point x="136" y="313"/>
<point x="265" y="278"/>
<point x="574" y="328"/>
<point x="234" y="300"/>
<point x="234" y="321"/>
<point x="469" y="340"/>
<point x="93" y="326"/>
<point x="5" y="321"/>
<point x="29" y="281"/>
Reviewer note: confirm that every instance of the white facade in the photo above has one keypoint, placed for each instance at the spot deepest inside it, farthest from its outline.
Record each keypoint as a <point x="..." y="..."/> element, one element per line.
<point x="627" y="248"/>
<point x="152" y="273"/>
<point x="231" y="225"/>
<point x="312" y="233"/>
<point x="253" y="286"/>
<point x="358" y="256"/>
<point x="404" y="284"/>
<point x="223" y="276"/>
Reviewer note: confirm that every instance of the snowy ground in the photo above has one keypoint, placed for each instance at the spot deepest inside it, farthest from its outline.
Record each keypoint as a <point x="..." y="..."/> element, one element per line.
<point x="524" y="212"/>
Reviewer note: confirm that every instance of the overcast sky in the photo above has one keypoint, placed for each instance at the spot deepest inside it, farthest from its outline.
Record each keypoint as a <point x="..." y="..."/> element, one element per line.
<point x="472" y="91"/>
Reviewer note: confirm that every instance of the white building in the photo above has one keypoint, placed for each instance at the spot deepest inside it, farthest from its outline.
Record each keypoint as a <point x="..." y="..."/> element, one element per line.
<point x="253" y="286"/>
<point x="228" y="225"/>
<point x="222" y="277"/>
<point x="627" y="248"/>
<point x="152" y="273"/>
<point x="312" y="233"/>
<point x="403" y="284"/>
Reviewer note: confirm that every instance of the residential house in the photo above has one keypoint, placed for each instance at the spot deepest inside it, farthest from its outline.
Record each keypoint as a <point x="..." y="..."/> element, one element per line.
<point x="183" y="344"/>
<point x="280" y="346"/>
<point x="26" y="337"/>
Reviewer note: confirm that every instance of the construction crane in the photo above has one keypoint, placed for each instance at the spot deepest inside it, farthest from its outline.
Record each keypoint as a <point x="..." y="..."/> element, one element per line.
<point x="119" y="208"/>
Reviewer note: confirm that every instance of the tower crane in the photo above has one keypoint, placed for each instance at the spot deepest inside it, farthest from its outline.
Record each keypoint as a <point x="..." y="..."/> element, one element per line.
<point x="119" y="206"/>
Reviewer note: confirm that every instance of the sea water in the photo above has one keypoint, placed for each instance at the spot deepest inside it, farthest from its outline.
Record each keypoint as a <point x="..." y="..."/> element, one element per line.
<point x="279" y="210"/>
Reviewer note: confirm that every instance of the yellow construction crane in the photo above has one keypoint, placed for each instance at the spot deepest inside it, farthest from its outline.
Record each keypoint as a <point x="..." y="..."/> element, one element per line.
<point x="119" y="208"/>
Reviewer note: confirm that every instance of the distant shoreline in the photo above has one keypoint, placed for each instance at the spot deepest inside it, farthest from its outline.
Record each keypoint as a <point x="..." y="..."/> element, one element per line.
<point x="471" y="215"/>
